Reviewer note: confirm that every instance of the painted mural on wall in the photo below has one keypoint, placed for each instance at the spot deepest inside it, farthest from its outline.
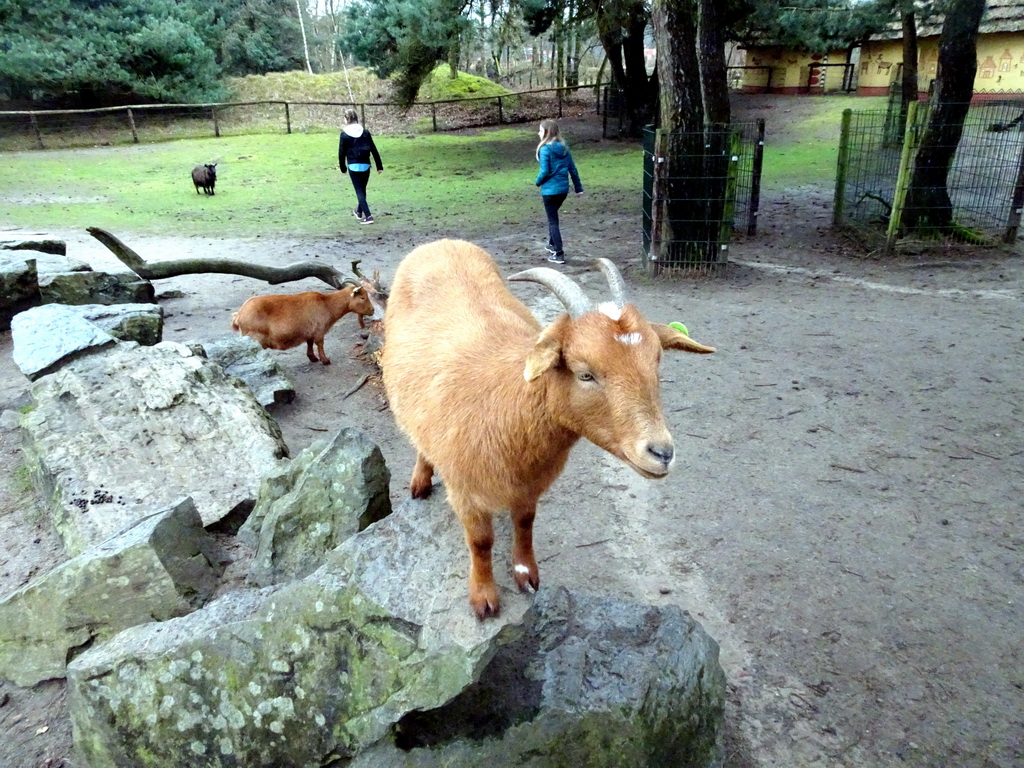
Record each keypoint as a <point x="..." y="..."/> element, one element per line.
<point x="1000" y="64"/>
<point x="1000" y="67"/>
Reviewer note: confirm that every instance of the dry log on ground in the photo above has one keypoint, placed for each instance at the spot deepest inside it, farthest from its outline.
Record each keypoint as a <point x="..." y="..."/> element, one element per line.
<point x="173" y="268"/>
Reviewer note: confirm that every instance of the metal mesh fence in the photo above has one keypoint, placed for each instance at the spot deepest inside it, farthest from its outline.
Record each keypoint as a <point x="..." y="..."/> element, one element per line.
<point x="712" y="188"/>
<point x="881" y="202"/>
<point x="148" y="123"/>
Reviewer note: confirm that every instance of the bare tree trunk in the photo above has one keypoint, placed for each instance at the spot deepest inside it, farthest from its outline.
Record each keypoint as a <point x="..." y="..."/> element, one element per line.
<point x="711" y="54"/>
<point x="928" y="202"/>
<point x="305" y="45"/>
<point x="622" y="37"/>
<point x="691" y="147"/>
<point x="164" y="269"/>
<point x="453" y="59"/>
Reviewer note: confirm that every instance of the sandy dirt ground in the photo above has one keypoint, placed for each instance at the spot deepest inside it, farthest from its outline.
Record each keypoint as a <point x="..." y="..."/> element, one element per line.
<point x="844" y="513"/>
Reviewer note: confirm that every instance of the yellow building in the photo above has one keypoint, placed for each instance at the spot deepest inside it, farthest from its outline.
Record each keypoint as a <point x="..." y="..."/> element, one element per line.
<point x="774" y="69"/>
<point x="1000" y="54"/>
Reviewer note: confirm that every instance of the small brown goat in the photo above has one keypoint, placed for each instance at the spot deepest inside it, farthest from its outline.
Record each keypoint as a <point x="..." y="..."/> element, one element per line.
<point x="494" y="402"/>
<point x="283" y="322"/>
<point x="205" y="176"/>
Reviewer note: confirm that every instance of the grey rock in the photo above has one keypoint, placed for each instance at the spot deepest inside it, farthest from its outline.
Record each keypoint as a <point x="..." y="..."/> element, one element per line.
<point x="30" y="241"/>
<point x="147" y="425"/>
<point x="304" y="674"/>
<point x="56" y="263"/>
<point x="157" y="569"/>
<point x="48" y="337"/>
<point x="19" y="286"/>
<point x="245" y="358"/>
<point x="10" y="420"/>
<point x="89" y="286"/>
<point x="339" y="489"/>
<point x="143" y="323"/>
<point x="592" y="681"/>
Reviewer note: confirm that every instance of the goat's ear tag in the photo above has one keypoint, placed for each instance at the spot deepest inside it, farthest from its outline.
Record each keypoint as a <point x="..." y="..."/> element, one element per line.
<point x="673" y="338"/>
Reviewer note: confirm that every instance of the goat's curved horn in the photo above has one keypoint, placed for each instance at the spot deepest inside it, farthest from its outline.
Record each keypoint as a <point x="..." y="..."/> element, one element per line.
<point x="568" y="292"/>
<point x="615" y="282"/>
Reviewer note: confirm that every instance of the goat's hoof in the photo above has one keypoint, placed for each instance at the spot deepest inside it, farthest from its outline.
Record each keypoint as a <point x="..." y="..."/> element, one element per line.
<point x="526" y="578"/>
<point x="325" y="361"/>
<point x="421" y="491"/>
<point x="486" y="604"/>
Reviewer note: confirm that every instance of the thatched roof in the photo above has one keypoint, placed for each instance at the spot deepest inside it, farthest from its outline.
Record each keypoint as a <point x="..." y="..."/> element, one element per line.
<point x="1000" y="16"/>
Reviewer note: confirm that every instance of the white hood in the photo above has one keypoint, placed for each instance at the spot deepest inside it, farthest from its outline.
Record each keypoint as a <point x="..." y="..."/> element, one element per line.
<point x="355" y="130"/>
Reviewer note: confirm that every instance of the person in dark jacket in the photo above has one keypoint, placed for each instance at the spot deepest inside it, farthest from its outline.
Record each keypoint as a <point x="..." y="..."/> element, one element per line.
<point x="354" y="150"/>
<point x="556" y="167"/>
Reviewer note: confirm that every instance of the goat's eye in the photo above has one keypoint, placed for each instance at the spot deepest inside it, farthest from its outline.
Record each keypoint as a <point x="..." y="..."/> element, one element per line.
<point x="584" y="376"/>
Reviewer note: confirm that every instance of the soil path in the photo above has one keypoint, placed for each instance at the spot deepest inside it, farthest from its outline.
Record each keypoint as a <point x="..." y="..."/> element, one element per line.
<point x="844" y="515"/>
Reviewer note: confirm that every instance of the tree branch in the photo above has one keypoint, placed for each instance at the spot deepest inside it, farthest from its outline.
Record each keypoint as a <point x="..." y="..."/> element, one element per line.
<point x="164" y="269"/>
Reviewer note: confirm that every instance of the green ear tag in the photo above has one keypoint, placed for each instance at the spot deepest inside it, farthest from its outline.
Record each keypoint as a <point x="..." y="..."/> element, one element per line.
<point x="679" y="327"/>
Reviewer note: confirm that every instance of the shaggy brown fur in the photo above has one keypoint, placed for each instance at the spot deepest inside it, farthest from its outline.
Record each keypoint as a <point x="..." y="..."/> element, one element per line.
<point x="494" y="403"/>
<point x="285" y="321"/>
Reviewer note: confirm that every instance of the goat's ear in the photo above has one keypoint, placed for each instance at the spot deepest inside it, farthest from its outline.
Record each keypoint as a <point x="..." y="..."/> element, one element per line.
<point x="356" y="289"/>
<point x="547" y="352"/>
<point x="673" y="339"/>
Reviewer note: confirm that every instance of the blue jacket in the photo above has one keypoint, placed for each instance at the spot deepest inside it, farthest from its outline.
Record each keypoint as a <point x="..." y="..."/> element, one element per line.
<point x="556" y="166"/>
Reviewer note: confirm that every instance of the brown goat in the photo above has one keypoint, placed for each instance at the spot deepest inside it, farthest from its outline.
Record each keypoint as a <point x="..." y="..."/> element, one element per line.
<point x="283" y="322"/>
<point x="494" y="403"/>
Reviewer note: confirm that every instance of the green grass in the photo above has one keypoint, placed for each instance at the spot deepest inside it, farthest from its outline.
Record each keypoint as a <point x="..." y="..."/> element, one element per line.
<point x="276" y="184"/>
<point x="273" y="184"/>
<point x="805" y="150"/>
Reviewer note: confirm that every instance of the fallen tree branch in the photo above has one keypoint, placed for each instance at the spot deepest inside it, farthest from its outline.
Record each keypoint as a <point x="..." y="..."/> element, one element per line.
<point x="164" y="269"/>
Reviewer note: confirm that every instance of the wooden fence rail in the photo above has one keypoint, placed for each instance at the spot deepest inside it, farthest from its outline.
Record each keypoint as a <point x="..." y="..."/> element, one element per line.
<point x="156" y="121"/>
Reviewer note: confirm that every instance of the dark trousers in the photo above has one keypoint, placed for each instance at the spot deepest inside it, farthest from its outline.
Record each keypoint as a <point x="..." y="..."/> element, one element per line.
<point x="359" y="181"/>
<point x="551" y="205"/>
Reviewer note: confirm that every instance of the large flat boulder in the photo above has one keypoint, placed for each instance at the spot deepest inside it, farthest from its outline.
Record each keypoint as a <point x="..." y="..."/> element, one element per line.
<point x="46" y="338"/>
<point x="341" y="487"/>
<point x="377" y="659"/>
<point x="592" y="680"/>
<point x="307" y="673"/>
<point x="122" y="433"/>
<point x="160" y="568"/>
<point x="63" y="280"/>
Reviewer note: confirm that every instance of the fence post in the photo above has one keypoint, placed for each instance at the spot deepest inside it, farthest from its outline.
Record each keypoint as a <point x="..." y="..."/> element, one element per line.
<point x="131" y="122"/>
<point x="216" y="124"/>
<point x="35" y="127"/>
<point x="755" y="181"/>
<point x="287" y="118"/>
<point x="842" y="165"/>
<point x="362" y="114"/>
<point x="559" y="92"/>
<point x="433" y="115"/>
<point x="1016" y="205"/>
<point x="501" y="116"/>
<point x="733" y="148"/>
<point x="899" y="195"/>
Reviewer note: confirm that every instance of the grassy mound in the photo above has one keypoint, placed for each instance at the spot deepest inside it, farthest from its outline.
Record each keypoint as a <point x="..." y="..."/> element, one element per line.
<point x="357" y="85"/>
<point x="441" y="87"/>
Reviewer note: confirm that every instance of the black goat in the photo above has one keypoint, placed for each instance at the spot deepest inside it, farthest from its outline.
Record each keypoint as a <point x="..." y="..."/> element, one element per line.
<point x="205" y="176"/>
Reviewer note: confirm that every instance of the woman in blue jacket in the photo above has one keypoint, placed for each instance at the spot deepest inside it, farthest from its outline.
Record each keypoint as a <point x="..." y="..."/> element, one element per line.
<point x="556" y="166"/>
